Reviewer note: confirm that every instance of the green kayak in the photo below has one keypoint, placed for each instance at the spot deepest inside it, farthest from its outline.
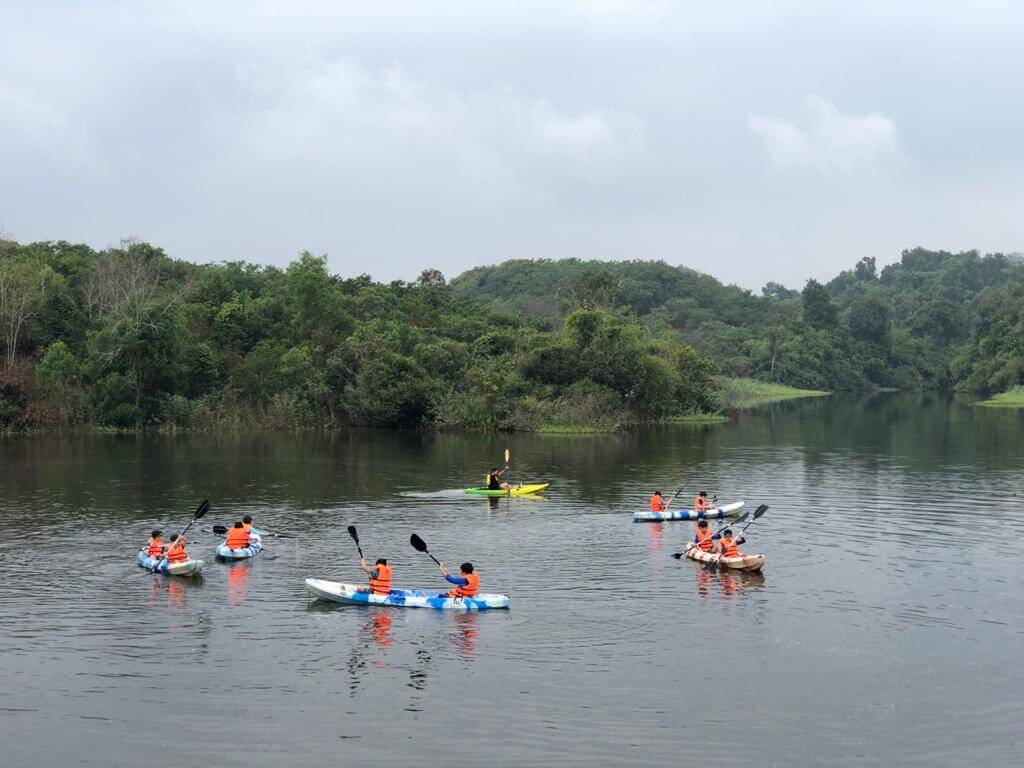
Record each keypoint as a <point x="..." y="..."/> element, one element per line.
<point x="519" y="489"/>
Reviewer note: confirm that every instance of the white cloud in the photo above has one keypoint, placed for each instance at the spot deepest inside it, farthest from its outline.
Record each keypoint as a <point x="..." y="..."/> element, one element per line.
<point x="828" y="139"/>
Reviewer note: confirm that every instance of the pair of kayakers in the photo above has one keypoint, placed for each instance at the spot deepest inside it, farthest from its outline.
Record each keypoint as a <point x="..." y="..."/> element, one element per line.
<point x="466" y="583"/>
<point x="173" y="552"/>
<point x="717" y="544"/>
<point x="700" y="503"/>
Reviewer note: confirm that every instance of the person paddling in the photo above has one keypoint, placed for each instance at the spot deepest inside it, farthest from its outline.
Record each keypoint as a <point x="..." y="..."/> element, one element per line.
<point x="700" y="504"/>
<point x="658" y="503"/>
<point x="247" y="524"/>
<point x="176" y="551"/>
<point x="727" y="546"/>
<point x="155" y="545"/>
<point x="494" y="482"/>
<point x="704" y="538"/>
<point x="466" y="583"/>
<point x="238" y="537"/>
<point x="380" y="576"/>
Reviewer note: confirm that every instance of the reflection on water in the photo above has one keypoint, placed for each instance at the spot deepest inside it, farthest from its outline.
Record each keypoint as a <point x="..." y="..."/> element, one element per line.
<point x="875" y="578"/>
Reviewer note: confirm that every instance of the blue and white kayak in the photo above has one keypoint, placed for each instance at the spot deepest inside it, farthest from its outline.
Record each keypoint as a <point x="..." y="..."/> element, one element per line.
<point x="160" y="564"/>
<point x="352" y="594"/>
<point x="726" y="510"/>
<point x="240" y="554"/>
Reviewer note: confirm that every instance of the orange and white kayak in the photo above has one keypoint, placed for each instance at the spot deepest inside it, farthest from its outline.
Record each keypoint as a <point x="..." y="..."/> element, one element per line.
<point x="741" y="563"/>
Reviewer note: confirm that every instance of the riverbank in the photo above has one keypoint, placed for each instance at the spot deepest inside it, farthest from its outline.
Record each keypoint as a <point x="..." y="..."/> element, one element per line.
<point x="740" y="394"/>
<point x="1011" y="398"/>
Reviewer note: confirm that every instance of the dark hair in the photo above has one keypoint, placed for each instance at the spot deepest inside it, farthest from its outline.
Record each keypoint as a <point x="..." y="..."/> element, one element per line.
<point x="156" y="534"/>
<point x="237" y="525"/>
<point x="246" y="519"/>
<point x="466" y="567"/>
<point x="494" y="469"/>
<point x="703" y="493"/>
<point x="657" y="493"/>
<point x="727" y="532"/>
<point x="381" y="561"/>
<point x="174" y="537"/>
<point x="702" y="524"/>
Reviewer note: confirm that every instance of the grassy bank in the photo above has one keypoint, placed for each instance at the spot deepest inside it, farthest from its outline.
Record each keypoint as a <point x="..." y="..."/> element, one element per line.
<point x="738" y="394"/>
<point x="1011" y="398"/>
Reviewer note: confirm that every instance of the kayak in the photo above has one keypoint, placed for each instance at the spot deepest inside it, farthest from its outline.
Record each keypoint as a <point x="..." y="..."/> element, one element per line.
<point x="184" y="568"/>
<point x="239" y="554"/>
<point x="350" y="594"/>
<point x="520" y="489"/>
<point x="726" y="510"/>
<point x="743" y="563"/>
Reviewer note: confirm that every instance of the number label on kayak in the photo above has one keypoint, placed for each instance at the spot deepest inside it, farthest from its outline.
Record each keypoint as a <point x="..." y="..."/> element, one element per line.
<point x="456" y="601"/>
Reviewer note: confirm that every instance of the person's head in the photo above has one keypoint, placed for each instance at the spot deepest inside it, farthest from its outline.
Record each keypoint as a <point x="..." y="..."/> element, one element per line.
<point x="703" y="525"/>
<point x="156" y="534"/>
<point x="381" y="561"/>
<point x="494" y="469"/>
<point x="657" y="493"/>
<point x="247" y="520"/>
<point x="174" y="537"/>
<point x="704" y="494"/>
<point x="727" y="533"/>
<point x="466" y="567"/>
<point x="238" y="524"/>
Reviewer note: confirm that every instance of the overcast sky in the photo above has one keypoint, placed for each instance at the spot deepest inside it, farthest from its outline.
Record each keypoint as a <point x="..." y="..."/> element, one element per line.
<point x="755" y="141"/>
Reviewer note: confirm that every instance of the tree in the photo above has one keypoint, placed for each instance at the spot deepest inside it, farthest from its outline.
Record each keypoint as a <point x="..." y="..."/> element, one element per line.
<point x="869" y="321"/>
<point x="22" y="292"/>
<point x="818" y="310"/>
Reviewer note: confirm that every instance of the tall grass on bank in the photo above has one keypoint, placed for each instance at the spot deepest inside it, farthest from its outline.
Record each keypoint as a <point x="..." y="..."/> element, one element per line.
<point x="1011" y="398"/>
<point x="739" y="394"/>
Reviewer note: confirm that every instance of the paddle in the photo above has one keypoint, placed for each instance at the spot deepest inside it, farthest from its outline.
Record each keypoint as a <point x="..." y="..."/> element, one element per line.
<point x="731" y="523"/>
<point x="355" y="538"/>
<point x="220" y="530"/>
<point x="200" y="513"/>
<point x="757" y="513"/>
<point x="421" y="546"/>
<point x="674" y="497"/>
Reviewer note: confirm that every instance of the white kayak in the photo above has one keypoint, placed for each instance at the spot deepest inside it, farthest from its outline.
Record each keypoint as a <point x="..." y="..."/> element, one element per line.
<point x="741" y="563"/>
<point x="726" y="510"/>
<point x="159" y="564"/>
<point x="352" y="594"/>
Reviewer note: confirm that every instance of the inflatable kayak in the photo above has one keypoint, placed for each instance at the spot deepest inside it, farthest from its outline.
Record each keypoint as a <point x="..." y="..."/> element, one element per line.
<point x="520" y="489"/>
<point x="349" y="594"/>
<point x="726" y="510"/>
<point x="239" y="554"/>
<point x="184" y="568"/>
<point x="743" y="563"/>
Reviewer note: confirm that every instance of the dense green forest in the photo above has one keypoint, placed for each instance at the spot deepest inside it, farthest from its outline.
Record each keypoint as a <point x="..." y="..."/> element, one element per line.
<point x="128" y="337"/>
<point x="933" y="320"/>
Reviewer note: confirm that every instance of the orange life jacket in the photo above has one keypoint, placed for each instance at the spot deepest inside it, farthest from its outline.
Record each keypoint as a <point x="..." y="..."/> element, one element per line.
<point x="701" y="503"/>
<point x="703" y="539"/>
<point x="382" y="584"/>
<point x="237" y="538"/>
<point x="156" y="547"/>
<point x="470" y="589"/>
<point x="657" y="503"/>
<point x="177" y="554"/>
<point x="729" y="548"/>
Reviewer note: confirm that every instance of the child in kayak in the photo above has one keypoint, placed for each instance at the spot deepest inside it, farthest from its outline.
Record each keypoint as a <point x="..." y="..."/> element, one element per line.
<point x="380" y="577"/>
<point x="238" y="537"/>
<point x="155" y="545"/>
<point x="658" y="502"/>
<point x="700" y="504"/>
<point x="466" y="583"/>
<point x="176" y="551"/>
<point x="247" y="524"/>
<point x="727" y="547"/>
<point x="704" y="539"/>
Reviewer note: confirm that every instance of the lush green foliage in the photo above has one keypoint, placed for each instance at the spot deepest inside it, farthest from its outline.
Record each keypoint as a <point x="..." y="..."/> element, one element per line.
<point x="932" y="320"/>
<point x="128" y="338"/>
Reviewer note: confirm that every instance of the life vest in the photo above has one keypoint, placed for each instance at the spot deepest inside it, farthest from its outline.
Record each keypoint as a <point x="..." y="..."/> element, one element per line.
<point x="703" y="539"/>
<point x="493" y="483"/>
<point x="470" y="589"/>
<point x="156" y="548"/>
<point x="177" y="554"/>
<point x="237" y="538"/>
<point x="729" y="548"/>
<point x="657" y="503"/>
<point x="701" y="503"/>
<point x="382" y="584"/>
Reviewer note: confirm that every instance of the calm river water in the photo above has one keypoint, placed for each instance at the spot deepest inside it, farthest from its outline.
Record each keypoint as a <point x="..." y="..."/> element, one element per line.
<point x="886" y="629"/>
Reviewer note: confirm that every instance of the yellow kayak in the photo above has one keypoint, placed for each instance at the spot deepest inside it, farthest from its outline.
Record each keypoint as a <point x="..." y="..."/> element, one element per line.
<point x="519" y="489"/>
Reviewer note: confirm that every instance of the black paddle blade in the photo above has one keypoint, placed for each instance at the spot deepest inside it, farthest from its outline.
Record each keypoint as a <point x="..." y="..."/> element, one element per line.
<point x="353" y="534"/>
<point x="202" y="509"/>
<point x="220" y="529"/>
<point x="739" y="519"/>
<point x="417" y="543"/>
<point x="677" y="555"/>
<point x="760" y="511"/>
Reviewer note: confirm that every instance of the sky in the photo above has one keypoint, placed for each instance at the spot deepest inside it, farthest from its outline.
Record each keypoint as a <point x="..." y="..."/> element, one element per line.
<point x="753" y="141"/>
